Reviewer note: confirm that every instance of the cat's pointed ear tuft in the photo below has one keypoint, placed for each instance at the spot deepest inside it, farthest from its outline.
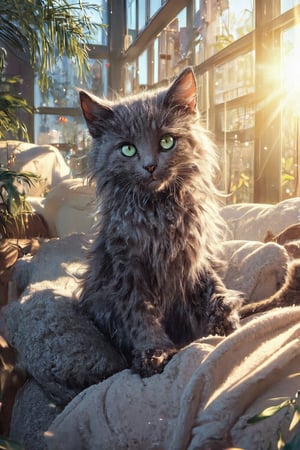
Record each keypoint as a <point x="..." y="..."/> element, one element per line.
<point x="88" y="106"/>
<point x="183" y="91"/>
<point x="95" y="112"/>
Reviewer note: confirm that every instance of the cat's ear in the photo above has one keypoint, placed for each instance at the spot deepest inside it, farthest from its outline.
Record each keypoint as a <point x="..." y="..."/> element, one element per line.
<point x="183" y="91"/>
<point x="95" y="111"/>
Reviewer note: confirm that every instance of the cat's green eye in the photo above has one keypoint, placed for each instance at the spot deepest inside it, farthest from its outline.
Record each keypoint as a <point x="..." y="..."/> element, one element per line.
<point x="128" y="150"/>
<point x="167" y="142"/>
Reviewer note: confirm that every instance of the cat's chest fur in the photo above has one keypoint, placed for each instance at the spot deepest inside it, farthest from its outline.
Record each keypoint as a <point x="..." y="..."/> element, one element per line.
<point x="158" y="233"/>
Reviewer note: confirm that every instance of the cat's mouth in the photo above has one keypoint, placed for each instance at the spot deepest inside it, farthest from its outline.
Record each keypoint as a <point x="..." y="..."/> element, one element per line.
<point x="156" y="184"/>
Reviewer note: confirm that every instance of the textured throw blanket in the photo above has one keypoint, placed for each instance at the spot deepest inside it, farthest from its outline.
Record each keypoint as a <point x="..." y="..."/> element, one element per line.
<point x="203" y="398"/>
<point x="205" y="395"/>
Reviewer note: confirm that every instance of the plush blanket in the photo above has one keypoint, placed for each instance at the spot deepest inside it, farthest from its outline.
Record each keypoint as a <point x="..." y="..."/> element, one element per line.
<point x="254" y="221"/>
<point x="203" y="397"/>
<point x="43" y="160"/>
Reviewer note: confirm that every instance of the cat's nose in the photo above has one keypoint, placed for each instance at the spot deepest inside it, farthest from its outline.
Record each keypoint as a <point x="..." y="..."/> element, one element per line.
<point x="150" y="168"/>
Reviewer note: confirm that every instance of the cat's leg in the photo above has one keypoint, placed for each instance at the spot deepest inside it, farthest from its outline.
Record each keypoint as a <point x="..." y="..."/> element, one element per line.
<point x="151" y="346"/>
<point x="217" y="308"/>
<point x="223" y="312"/>
<point x="287" y="295"/>
<point x="134" y="326"/>
<point x="151" y="361"/>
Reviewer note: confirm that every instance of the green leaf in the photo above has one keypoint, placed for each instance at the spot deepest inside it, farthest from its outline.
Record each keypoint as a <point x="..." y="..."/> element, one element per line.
<point x="280" y="442"/>
<point x="296" y="418"/>
<point x="268" y="412"/>
<point x="9" y="192"/>
<point x="7" y="444"/>
<point x="14" y="200"/>
<point x="287" y="177"/>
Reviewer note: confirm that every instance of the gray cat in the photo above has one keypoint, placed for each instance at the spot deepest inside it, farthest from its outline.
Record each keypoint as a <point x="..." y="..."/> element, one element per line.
<point x="151" y="284"/>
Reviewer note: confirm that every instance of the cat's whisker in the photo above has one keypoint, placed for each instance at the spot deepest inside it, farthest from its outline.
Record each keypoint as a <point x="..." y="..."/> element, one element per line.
<point x="179" y="181"/>
<point x="136" y="196"/>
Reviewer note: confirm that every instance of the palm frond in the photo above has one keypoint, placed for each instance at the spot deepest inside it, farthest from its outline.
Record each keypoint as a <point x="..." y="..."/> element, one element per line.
<point x="42" y="31"/>
<point x="9" y="121"/>
<point x="49" y="29"/>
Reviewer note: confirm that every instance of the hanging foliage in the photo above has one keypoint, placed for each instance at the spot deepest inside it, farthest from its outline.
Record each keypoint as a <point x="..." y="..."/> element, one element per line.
<point x="40" y="32"/>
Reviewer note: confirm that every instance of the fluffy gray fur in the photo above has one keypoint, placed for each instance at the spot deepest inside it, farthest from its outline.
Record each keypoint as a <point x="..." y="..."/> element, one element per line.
<point x="151" y="284"/>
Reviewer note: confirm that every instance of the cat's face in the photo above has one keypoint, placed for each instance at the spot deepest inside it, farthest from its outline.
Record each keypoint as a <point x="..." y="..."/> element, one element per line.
<point x="144" y="140"/>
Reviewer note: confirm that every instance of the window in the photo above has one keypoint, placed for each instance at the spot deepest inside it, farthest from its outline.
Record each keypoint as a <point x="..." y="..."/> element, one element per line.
<point x="131" y="18"/>
<point x="234" y="128"/>
<point x="203" y="98"/>
<point x="138" y="14"/>
<point x="142" y="11"/>
<point x="97" y="16"/>
<point x="173" y="47"/>
<point x="288" y="4"/>
<point x="155" y="61"/>
<point x="219" y="23"/>
<point x="58" y="120"/>
<point x="234" y="78"/>
<point x="100" y="37"/>
<point x="290" y="112"/>
<point x="235" y="140"/>
<point x="63" y="84"/>
<point x="69" y="134"/>
<point x="142" y="71"/>
<point x="130" y="77"/>
<point x="154" y="6"/>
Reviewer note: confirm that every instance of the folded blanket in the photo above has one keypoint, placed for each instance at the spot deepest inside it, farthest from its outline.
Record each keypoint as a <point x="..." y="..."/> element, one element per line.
<point x="254" y="268"/>
<point x="205" y="394"/>
<point x="254" y="221"/>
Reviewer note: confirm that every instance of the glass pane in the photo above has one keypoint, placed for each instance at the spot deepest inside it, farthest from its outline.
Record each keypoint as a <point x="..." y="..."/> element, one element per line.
<point x="142" y="14"/>
<point x="100" y="37"/>
<point x="63" y="84"/>
<point x="68" y="134"/>
<point x="197" y="5"/>
<point x="97" y="16"/>
<point x="182" y="18"/>
<point x="154" y="6"/>
<point x="131" y="18"/>
<point x="173" y="47"/>
<point x="235" y="140"/>
<point x="234" y="19"/>
<point x="170" y="50"/>
<point x="203" y="98"/>
<point x="290" y="112"/>
<point x="218" y="24"/>
<point x="130" y="77"/>
<point x="288" y="4"/>
<point x="199" y="46"/>
<point x="234" y="78"/>
<point x="142" y="71"/>
<point x="155" y="61"/>
<point x="97" y="81"/>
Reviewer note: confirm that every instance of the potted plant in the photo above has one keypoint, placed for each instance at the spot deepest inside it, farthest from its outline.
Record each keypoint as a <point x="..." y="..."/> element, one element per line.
<point x="16" y="215"/>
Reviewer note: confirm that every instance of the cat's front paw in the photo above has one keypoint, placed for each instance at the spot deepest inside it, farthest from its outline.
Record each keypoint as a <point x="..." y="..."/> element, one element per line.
<point x="223" y="313"/>
<point x="151" y="361"/>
